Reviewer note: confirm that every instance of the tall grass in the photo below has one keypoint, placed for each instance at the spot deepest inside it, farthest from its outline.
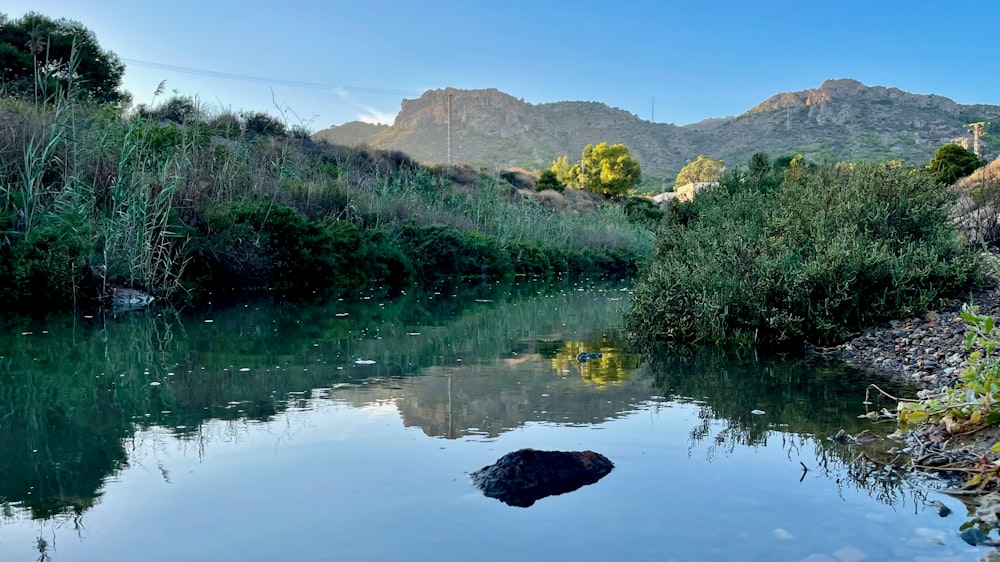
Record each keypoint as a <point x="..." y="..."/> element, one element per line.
<point x="91" y="198"/>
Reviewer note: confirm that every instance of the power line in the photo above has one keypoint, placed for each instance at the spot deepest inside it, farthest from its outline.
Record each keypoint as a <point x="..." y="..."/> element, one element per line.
<point x="265" y="80"/>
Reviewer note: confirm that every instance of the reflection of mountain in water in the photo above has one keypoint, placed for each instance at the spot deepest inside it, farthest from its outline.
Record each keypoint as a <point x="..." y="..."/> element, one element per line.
<point x="483" y="401"/>
<point x="73" y="391"/>
<point x="455" y="363"/>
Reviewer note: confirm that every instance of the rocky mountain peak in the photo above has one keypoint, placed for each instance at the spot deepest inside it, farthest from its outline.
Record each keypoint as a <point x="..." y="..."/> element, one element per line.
<point x="842" y="119"/>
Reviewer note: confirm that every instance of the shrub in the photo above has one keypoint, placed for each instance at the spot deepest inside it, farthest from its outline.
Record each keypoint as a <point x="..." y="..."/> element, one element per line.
<point x="644" y="212"/>
<point x="549" y="180"/>
<point x="529" y="258"/>
<point x="445" y="251"/>
<point x="44" y="271"/>
<point x="761" y="260"/>
<point x="275" y="246"/>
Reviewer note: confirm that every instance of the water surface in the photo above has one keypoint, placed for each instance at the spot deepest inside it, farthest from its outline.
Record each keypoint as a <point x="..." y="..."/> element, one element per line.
<point x="347" y="431"/>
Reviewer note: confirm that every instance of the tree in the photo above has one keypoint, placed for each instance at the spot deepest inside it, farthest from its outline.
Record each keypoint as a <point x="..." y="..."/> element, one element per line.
<point x="567" y="175"/>
<point x="952" y="162"/>
<point x="549" y="180"/>
<point x="703" y="169"/>
<point x="609" y="170"/>
<point x="43" y="57"/>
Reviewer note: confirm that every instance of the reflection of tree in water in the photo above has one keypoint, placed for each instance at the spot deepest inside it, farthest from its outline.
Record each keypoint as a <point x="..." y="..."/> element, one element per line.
<point x="73" y="391"/>
<point x="612" y="368"/>
<point x="804" y="402"/>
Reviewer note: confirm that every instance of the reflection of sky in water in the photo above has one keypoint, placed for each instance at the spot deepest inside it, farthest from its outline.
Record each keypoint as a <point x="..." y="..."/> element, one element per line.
<point x="338" y="482"/>
<point x="282" y="446"/>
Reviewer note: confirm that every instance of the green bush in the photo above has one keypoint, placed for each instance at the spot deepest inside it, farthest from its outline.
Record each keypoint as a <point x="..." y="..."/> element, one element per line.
<point x="266" y="245"/>
<point x="530" y="258"/>
<point x="643" y="212"/>
<point x="444" y="251"/>
<point x="815" y="258"/>
<point x="549" y="180"/>
<point x="44" y="271"/>
<point x="384" y="261"/>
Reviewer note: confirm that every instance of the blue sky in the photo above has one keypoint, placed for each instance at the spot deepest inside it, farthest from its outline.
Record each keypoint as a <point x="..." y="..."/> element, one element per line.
<point x="696" y="59"/>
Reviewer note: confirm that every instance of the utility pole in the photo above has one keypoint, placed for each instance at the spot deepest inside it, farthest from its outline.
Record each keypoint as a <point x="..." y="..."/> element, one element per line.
<point x="977" y="130"/>
<point x="449" y="128"/>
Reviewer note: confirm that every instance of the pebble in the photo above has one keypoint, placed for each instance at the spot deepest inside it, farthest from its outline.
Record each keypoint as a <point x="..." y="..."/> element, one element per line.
<point x="928" y="350"/>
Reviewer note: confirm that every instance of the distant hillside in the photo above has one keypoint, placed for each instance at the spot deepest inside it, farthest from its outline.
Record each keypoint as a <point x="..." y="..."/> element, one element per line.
<point x="351" y="134"/>
<point x="840" y="120"/>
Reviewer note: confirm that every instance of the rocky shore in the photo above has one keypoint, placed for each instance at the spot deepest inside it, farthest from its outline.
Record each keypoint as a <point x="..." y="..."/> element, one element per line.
<point x="929" y="351"/>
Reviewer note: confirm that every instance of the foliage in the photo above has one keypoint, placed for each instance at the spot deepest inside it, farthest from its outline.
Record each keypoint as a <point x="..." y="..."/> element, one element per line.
<point x="609" y="170"/>
<point x="702" y="169"/>
<point x="549" y="180"/>
<point x="793" y="167"/>
<point x="34" y="271"/>
<point x="178" y="109"/>
<point x="177" y="200"/>
<point x="975" y="401"/>
<point x="768" y="260"/>
<point x="262" y="124"/>
<point x="45" y="58"/>
<point x="567" y="175"/>
<point x="444" y="251"/>
<point x="269" y="245"/>
<point x="644" y="212"/>
<point x="952" y="162"/>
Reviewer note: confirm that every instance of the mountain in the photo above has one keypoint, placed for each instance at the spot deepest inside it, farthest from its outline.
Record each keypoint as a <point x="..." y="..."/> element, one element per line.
<point x="841" y="120"/>
<point x="353" y="133"/>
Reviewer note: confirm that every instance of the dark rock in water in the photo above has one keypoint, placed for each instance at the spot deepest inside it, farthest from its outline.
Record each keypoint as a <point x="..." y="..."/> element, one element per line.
<point x="523" y="477"/>
<point x="584" y="357"/>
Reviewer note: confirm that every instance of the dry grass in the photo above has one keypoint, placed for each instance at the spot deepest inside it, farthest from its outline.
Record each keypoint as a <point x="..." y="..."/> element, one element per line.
<point x="520" y="178"/>
<point x="583" y="201"/>
<point x="986" y="175"/>
<point x="551" y="200"/>
<point x="977" y="210"/>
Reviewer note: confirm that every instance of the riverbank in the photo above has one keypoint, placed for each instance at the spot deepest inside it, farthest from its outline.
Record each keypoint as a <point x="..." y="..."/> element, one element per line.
<point x="929" y="350"/>
<point x="187" y="207"/>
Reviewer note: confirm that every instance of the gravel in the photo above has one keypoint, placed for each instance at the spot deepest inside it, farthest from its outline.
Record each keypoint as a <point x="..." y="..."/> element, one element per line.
<point x="929" y="350"/>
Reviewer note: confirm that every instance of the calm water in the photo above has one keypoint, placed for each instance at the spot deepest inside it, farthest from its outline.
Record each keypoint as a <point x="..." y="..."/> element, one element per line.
<point x="346" y="431"/>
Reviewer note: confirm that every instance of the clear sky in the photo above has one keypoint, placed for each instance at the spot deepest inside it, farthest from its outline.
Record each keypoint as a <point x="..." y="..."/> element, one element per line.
<point x="329" y="62"/>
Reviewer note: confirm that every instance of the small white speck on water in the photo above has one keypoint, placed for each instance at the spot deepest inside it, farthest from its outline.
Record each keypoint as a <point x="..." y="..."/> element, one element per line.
<point x="155" y="383"/>
<point x="244" y="369"/>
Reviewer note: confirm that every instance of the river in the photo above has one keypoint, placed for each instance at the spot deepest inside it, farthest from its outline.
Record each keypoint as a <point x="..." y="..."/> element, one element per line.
<point x="347" y="430"/>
